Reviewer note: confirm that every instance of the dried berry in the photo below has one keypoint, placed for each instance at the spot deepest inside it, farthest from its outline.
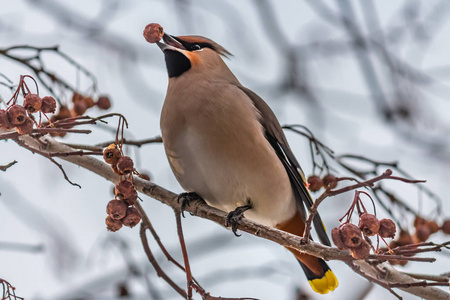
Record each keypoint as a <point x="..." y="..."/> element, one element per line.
<point x="26" y="127"/>
<point x="433" y="226"/>
<point x="132" y="218"/>
<point x="393" y="244"/>
<point x="116" y="209"/>
<point x="64" y="112"/>
<point x="125" y="165"/>
<point x="153" y="32"/>
<point x="369" y="224"/>
<point x="32" y="103"/>
<point x="422" y="234"/>
<point x="124" y="189"/>
<point x="351" y="235"/>
<point x="17" y="114"/>
<point x="419" y="221"/>
<point x="404" y="237"/>
<point x="115" y="170"/>
<point x="388" y="229"/>
<point x="362" y="251"/>
<point x="4" y="121"/>
<point x="446" y="227"/>
<point x="88" y="101"/>
<point x="336" y="236"/>
<point x="111" y="154"/>
<point x="48" y="105"/>
<point x="132" y="199"/>
<point x="329" y="180"/>
<point x="112" y="224"/>
<point x="103" y="102"/>
<point x="76" y="97"/>
<point x="315" y="183"/>
<point x="79" y="108"/>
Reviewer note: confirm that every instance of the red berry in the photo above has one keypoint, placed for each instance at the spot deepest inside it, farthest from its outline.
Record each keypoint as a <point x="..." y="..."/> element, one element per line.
<point x="113" y="224"/>
<point x="433" y="226"/>
<point x="362" y="251"/>
<point x="422" y="234"/>
<point x="32" y="103"/>
<point x="336" y="236"/>
<point x="88" y="101"/>
<point x="446" y="227"/>
<point x="369" y="224"/>
<point x="419" y="221"/>
<point x="131" y="200"/>
<point x="404" y="238"/>
<point x="79" y="108"/>
<point x="351" y="235"/>
<point x="4" y="121"/>
<point x="17" y="114"/>
<point x="132" y="218"/>
<point x="125" y="165"/>
<point x="329" y="180"/>
<point x="315" y="183"/>
<point x="26" y="127"/>
<point x="48" y="105"/>
<point x="63" y="113"/>
<point x="153" y="32"/>
<point x="76" y="97"/>
<point x="116" y="209"/>
<point x="124" y="189"/>
<point x="103" y="102"/>
<point x="111" y="154"/>
<point x="388" y="229"/>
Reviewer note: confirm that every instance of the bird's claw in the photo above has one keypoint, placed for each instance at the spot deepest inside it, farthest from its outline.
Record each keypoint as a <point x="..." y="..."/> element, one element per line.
<point x="234" y="218"/>
<point x="186" y="198"/>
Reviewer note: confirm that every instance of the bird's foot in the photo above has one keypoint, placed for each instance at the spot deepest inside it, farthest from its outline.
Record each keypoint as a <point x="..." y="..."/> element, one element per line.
<point x="234" y="217"/>
<point x="186" y="198"/>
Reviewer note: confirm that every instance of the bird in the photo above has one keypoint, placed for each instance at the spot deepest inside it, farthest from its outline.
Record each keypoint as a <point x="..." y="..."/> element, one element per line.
<point x="225" y="146"/>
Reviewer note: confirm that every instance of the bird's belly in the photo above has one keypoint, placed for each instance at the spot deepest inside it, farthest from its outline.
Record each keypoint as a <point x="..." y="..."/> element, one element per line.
<point x="230" y="170"/>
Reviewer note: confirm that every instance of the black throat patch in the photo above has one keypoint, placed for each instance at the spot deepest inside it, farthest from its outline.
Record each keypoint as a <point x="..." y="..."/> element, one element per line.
<point x="176" y="63"/>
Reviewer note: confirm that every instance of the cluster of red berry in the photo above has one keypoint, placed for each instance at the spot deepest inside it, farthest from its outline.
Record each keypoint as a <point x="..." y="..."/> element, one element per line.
<point x="349" y="236"/>
<point x="423" y="229"/>
<point x="121" y="210"/>
<point x="21" y="116"/>
<point x="80" y="105"/>
<point x="315" y="183"/>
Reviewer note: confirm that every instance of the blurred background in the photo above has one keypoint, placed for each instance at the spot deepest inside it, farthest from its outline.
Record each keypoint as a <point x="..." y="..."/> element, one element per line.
<point x="366" y="77"/>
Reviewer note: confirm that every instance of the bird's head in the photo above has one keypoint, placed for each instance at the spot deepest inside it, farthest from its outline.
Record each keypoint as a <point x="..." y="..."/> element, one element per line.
<point x="191" y="53"/>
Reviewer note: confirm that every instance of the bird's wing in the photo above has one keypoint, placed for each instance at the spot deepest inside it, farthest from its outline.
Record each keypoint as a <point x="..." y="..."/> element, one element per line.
<point x="276" y="137"/>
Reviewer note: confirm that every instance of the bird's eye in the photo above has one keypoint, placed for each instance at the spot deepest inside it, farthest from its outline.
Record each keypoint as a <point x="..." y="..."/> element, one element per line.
<point x="196" y="47"/>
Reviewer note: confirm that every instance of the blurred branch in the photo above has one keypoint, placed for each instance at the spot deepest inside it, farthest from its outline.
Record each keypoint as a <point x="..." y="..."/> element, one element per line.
<point x="21" y="247"/>
<point x="35" y="63"/>
<point x="93" y="29"/>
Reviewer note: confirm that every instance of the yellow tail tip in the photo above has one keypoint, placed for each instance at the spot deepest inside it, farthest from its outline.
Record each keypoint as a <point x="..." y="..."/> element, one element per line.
<point x="325" y="284"/>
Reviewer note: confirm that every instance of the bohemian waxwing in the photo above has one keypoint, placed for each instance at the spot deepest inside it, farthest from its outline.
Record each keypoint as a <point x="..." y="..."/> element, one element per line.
<point x="224" y="144"/>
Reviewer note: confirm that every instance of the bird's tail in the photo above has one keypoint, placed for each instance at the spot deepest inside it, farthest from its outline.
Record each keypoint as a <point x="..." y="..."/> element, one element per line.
<point x="323" y="282"/>
<point x="320" y="276"/>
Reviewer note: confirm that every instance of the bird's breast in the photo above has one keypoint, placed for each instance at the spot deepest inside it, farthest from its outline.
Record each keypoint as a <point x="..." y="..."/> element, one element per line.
<point x="216" y="147"/>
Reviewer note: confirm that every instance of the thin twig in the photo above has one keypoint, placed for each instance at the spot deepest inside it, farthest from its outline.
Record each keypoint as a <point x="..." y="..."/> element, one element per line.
<point x="6" y="167"/>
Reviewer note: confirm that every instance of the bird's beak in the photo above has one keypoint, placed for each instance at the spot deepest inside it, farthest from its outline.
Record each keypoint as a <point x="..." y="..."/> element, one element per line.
<point x="170" y="43"/>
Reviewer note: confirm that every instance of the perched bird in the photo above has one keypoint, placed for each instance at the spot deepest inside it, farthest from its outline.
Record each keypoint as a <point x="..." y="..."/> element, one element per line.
<point x="224" y="144"/>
